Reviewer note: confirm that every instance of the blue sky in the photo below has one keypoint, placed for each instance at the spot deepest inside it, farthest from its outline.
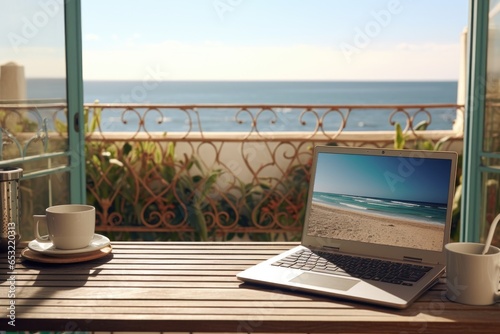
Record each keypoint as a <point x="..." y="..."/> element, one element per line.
<point x="271" y="22"/>
<point x="383" y="177"/>
<point x="242" y="39"/>
<point x="273" y="39"/>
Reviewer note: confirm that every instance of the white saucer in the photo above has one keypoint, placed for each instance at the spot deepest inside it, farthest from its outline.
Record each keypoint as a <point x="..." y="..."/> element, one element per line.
<point x="47" y="248"/>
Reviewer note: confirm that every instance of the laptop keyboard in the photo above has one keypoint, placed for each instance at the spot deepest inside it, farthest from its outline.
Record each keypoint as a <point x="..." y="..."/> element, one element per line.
<point x="354" y="266"/>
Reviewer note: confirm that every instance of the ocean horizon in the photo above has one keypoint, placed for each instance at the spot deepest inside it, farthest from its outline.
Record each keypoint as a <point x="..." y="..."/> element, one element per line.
<point x="432" y="213"/>
<point x="263" y="92"/>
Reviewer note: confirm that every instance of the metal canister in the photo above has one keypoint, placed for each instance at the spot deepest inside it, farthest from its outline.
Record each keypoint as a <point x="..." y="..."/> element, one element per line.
<point x="10" y="202"/>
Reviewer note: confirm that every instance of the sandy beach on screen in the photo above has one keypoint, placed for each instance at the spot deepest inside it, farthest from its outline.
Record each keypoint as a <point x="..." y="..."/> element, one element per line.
<point x="328" y="221"/>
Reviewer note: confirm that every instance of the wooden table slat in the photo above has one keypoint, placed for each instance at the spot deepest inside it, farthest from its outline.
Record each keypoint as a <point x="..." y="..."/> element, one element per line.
<point x="191" y="287"/>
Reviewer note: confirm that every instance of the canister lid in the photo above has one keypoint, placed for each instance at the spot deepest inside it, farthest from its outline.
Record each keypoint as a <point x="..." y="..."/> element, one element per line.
<point x="10" y="173"/>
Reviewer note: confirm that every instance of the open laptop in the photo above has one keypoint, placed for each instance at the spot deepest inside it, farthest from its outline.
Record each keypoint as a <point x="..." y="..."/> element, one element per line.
<point x="369" y="212"/>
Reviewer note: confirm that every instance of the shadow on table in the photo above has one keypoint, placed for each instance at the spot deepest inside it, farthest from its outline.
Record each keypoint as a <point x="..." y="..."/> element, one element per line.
<point x="53" y="280"/>
<point x="66" y="275"/>
<point x="432" y="303"/>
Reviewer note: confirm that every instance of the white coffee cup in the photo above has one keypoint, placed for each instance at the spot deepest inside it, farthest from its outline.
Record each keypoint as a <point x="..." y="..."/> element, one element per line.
<point x="70" y="226"/>
<point x="472" y="278"/>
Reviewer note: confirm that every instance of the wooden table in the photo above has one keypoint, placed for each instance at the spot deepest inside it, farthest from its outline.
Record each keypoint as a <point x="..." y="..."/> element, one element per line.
<point x="191" y="287"/>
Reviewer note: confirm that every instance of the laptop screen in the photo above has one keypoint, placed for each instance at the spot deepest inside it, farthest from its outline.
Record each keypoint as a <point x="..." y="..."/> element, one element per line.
<point x="381" y="199"/>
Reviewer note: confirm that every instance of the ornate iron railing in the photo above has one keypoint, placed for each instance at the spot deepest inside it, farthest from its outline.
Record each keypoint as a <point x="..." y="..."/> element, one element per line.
<point x="157" y="171"/>
<point x="187" y="183"/>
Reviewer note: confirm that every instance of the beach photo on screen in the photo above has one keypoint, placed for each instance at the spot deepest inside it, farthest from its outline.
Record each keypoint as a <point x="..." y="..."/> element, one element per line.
<point x="380" y="199"/>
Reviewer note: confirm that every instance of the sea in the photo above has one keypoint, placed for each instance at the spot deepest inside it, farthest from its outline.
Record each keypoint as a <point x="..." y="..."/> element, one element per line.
<point x="263" y="92"/>
<point x="433" y="213"/>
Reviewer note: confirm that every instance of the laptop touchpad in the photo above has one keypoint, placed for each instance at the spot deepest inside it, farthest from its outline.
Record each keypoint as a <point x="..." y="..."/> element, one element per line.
<point x="323" y="281"/>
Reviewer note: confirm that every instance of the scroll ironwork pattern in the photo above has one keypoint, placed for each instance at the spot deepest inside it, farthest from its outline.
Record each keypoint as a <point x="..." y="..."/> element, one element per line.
<point x="164" y="179"/>
<point x="153" y="172"/>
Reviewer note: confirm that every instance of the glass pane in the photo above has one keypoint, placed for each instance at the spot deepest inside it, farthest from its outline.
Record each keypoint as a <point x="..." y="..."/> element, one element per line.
<point x="490" y="204"/>
<point x="33" y="115"/>
<point x="491" y="137"/>
<point x="490" y="200"/>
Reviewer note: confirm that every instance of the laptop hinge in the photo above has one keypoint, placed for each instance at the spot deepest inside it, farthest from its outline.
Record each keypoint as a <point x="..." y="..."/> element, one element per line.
<point x="331" y="248"/>
<point x="412" y="259"/>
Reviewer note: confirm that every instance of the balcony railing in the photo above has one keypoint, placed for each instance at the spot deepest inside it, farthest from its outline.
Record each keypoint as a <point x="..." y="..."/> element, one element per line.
<point x="181" y="182"/>
<point x="158" y="171"/>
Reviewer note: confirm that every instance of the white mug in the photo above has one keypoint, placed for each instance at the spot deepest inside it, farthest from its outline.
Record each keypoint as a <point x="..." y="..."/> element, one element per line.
<point x="70" y="226"/>
<point x="472" y="278"/>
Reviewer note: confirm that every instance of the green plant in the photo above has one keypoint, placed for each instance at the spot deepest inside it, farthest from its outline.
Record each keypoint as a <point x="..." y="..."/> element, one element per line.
<point x="277" y="202"/>
<point x="194" y="191"/>
<point x="401" y="138"/>
<point x="108" y="186"/>
<point x="150" y="185"/>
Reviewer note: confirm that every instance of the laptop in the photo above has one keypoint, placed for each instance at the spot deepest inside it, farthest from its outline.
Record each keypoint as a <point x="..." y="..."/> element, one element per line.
<point x="375" y="227"/>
